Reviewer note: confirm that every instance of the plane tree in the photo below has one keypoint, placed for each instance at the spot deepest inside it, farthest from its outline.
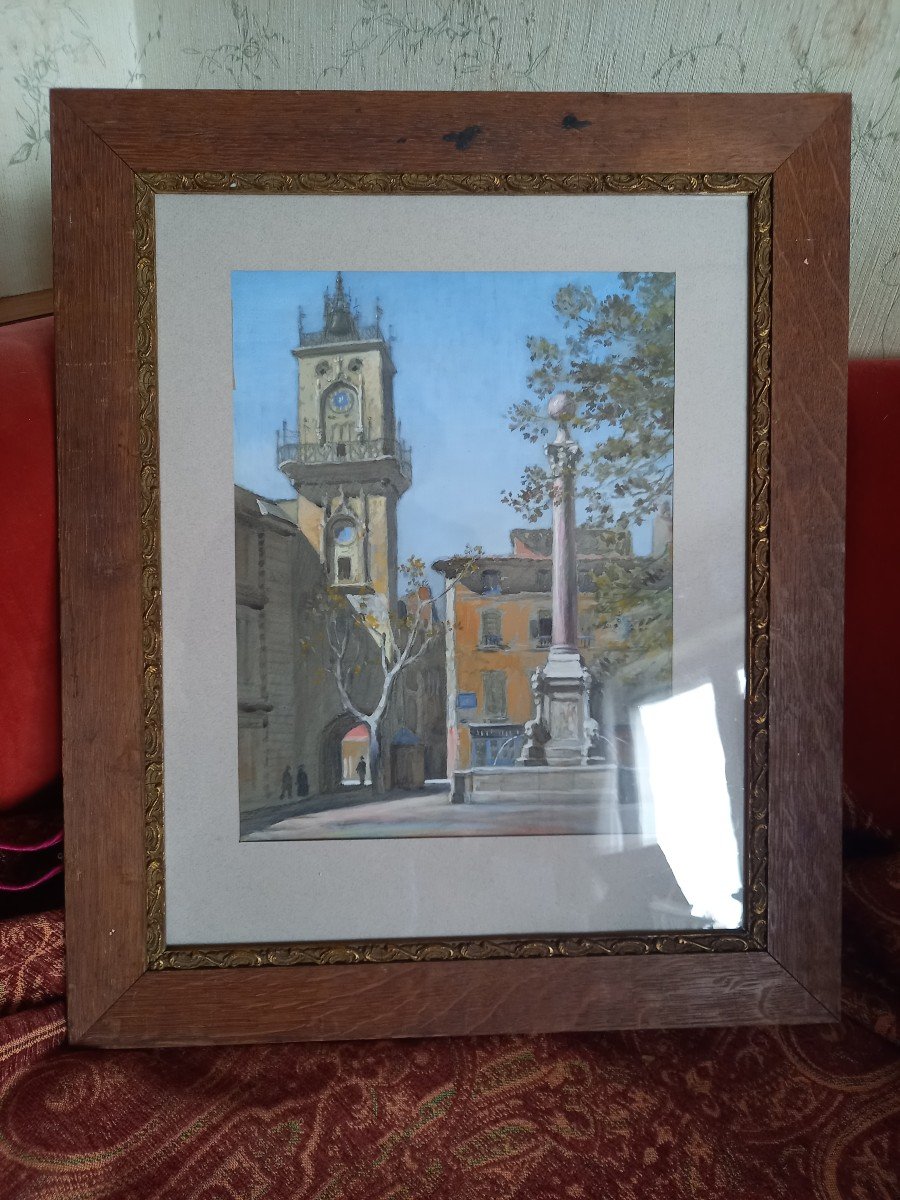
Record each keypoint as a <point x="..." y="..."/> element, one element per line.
<point x="615" y="354"/>
<point x="368" y="650"/>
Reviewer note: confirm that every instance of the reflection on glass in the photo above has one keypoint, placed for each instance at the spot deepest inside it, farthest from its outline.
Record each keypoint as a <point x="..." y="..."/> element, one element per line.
<point x="685" y="802"/>
<point x="443" y="634"/>
<point x="469" y="630"/>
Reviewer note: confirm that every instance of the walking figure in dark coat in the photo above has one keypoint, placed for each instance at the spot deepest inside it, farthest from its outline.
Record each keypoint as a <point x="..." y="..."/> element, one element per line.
<point x="287" y="785"/>
<point x="302" y="781"/>
<point x="361" y="771"/>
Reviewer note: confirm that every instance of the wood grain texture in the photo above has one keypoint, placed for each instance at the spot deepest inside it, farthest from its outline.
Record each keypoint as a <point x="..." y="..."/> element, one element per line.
<point x="99" y="536"/>
<point x="809" y="401"/>
<point x="439" y="999"/>
<point x="100" y="140"/>
<point x="25" y="306"/>
<point x="413" y="131"/>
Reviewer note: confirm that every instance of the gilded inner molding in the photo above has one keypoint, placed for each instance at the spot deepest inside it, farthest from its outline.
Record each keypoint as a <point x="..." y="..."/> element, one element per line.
<point x="752" y="936"/>
<point x="151" y="634"/>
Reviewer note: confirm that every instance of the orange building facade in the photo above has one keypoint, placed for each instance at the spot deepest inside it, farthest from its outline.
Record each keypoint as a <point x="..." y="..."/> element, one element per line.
<point x="499" y="629"/>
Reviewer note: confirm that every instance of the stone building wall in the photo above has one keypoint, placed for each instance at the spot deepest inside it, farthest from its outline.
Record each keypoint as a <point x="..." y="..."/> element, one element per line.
<point x="266" y="693"/>
<point x="369" y="371"/>
<point x="289" y="708"/>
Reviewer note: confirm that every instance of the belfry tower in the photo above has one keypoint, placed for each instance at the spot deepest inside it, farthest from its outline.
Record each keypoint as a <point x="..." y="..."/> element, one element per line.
<point x="345" y="460"/>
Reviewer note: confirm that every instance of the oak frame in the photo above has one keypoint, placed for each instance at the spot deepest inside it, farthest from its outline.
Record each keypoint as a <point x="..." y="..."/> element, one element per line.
<point x="104" y="144"/>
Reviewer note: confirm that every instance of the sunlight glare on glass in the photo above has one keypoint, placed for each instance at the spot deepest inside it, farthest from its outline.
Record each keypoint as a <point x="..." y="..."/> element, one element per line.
<point x="684" y="769"/>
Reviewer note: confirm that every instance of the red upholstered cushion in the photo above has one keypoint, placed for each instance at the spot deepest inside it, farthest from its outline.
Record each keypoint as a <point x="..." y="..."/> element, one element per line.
<point x="29" y="612"/>
<point x="872" y="630"/>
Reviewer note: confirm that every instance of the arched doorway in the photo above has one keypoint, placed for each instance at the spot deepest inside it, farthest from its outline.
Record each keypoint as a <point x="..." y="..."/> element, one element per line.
<point x="336" y="771"/>
<point x="355" y="752"/>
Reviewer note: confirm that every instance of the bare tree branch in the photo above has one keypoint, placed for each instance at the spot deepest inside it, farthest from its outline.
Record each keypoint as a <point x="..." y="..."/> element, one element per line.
<point x="337" y="675"/>
<point x="346" y="629"/>
<point x="426" y="643"/>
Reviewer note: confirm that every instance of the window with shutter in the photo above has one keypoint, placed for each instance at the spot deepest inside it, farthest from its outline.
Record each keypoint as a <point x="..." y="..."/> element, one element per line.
<point x="545" y="627"/>
<point x="248" y="651"/>
<point x="494" y="691"/>
<point x="491" y="627"/>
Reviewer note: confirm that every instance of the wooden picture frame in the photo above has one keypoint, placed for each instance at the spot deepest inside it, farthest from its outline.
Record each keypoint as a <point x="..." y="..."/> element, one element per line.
<point x="111" y="152"/>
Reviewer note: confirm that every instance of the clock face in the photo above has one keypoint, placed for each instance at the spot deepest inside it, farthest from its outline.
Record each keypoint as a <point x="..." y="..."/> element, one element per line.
<point x="344" y="533"/>
<point x="341" y="401"/>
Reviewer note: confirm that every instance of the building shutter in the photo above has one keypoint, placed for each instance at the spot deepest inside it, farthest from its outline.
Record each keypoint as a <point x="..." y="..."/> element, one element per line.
<point x="494" y="688"/>
<point x="491" y="626"/>
<point x="545" y="626"/>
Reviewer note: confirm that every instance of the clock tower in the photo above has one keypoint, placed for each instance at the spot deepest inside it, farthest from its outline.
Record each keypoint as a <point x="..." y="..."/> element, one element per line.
<point x="345" y="460"/>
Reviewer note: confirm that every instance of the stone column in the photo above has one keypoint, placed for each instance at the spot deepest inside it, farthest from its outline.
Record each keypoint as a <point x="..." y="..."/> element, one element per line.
<point x="564" y="453"/>
<point x="560" y="733"/>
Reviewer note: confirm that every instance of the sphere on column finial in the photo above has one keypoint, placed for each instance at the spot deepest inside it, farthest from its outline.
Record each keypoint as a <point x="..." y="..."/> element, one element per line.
<point x="562" y="407"/>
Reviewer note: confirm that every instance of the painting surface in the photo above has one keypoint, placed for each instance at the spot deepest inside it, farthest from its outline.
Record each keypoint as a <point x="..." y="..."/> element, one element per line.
<point x="427" y="644"/>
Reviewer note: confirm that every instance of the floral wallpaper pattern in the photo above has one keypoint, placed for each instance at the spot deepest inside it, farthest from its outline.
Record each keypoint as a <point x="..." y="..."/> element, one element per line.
<point x="516" y="45"/>
<point x="43" y="44"/>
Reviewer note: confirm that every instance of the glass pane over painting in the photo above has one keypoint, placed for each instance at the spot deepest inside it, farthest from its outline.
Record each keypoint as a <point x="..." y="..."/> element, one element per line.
<point x="507" y="675"/>
<point x="473" y="661"/>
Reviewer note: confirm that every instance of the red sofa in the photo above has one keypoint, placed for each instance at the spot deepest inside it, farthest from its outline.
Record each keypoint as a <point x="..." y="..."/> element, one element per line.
<point x="745" y="1114"/>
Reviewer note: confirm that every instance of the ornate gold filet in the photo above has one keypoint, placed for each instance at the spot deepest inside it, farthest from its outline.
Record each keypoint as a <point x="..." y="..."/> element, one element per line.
<point x="752" y="936"/>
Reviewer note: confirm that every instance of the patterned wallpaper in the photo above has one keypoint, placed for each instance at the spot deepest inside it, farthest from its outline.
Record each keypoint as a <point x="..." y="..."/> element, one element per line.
<point x="517" y="45"/>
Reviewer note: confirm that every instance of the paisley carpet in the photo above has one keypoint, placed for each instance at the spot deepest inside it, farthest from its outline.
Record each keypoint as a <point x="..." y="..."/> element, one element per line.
<point x="743" y="1114"/>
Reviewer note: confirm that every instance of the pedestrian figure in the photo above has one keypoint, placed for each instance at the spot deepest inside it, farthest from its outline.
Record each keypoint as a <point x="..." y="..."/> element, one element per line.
<point x="287" y="785"/>
<point x="361" y="770"/>
<point x="302" y="781"/>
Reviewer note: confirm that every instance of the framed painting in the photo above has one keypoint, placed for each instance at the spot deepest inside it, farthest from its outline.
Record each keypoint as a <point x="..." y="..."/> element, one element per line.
<point x="451" y="528"/>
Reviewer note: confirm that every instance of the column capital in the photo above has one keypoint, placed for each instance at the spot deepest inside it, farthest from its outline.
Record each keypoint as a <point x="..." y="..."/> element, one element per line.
<point x="563" y="453"/>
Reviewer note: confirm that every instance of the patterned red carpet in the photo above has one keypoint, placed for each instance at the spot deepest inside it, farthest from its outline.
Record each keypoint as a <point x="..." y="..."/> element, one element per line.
<point x="747" y="1114"/>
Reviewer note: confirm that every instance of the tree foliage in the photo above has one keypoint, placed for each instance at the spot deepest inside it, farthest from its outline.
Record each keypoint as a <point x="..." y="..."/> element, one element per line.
<point x="634" y="603"/>
<point x="617" y="358"/>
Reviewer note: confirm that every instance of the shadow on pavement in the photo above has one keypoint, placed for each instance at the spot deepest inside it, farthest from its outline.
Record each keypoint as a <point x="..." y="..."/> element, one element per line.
<point x="262" y="818"/>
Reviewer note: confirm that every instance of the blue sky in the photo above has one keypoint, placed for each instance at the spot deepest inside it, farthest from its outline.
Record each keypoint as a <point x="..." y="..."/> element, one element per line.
<point x="461" y="358"/>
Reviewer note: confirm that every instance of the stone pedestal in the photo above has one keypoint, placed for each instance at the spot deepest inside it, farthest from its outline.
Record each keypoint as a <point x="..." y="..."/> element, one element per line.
<point x="591" y="790"/>
<point x="562" y="732"/>
<point x="577" y="785"/>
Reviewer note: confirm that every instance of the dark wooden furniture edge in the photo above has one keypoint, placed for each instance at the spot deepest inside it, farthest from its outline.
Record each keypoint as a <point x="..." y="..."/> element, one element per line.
<point x="25" y="306"/>
<point x="99" y="142"/>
